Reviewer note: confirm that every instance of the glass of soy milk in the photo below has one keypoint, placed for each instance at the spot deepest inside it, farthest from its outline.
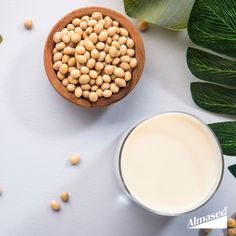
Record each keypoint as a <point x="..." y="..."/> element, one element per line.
<point x="170" y="164"/>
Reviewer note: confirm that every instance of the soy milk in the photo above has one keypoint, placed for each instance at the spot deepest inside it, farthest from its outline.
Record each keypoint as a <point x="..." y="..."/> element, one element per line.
<point x="171" y="163"/>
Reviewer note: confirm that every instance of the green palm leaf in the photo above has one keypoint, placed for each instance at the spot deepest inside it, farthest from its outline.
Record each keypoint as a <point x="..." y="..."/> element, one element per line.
<point x="232" y="170"/>
<point x="212" y="24"/>
<point x="166" y="13"/>
<point x="214" y="98"/>
<point x="226" y="134"/>
<point x="209" y="67"/>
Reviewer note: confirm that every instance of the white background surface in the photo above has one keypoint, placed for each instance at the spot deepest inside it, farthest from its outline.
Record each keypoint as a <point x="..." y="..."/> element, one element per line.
<point x="39" y="130"/>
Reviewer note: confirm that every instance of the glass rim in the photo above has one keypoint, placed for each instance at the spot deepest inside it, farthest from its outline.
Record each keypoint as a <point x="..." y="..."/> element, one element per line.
<point x="216" y="186"/>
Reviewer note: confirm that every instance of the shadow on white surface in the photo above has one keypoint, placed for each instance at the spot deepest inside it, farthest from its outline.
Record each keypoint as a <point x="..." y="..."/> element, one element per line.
<point x="35" y="102"/>
<point x="170" y="57"/>
<point x="97" y="206"/>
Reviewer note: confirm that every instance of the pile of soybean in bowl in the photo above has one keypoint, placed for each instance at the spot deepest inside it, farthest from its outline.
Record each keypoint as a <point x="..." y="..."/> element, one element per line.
<point x="94" y="56"/>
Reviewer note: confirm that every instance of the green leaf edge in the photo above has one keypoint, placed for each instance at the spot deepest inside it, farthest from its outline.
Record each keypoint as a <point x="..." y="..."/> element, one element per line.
<point x="211" y="108"/>
<point x="180" y="27"/>
<point x="232" y="170"/>
<point x="191" y="51"/>
<point x="226" y="126"/>
<point x="191" y="16"/>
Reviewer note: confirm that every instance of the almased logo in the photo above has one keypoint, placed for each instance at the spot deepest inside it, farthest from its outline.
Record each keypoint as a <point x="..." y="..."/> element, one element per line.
<point x="217" y="220"/>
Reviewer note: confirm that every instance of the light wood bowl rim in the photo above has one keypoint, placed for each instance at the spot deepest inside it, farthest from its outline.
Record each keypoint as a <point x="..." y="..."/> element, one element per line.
<point x="139" y="54"/>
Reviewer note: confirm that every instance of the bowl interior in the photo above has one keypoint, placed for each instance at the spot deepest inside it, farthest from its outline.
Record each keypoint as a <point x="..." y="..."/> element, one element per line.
<point x="139" y="54"/>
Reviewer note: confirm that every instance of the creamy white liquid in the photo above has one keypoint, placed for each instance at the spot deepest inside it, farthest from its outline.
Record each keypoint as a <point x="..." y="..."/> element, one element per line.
<point x="171" y="163"/>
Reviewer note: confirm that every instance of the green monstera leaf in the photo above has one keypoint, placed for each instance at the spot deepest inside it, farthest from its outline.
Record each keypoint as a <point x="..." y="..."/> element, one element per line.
<point x="226" y="133"/>
<point x="214" y="98"/>
<point x="166" y="13"/>
<point x="232" y="170"/>
<point x="212" y="24"/>
<point x="212" y="68"/>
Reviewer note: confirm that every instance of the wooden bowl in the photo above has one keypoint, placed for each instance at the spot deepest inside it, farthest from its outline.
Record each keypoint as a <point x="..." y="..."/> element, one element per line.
<point x="136" y="73"/>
